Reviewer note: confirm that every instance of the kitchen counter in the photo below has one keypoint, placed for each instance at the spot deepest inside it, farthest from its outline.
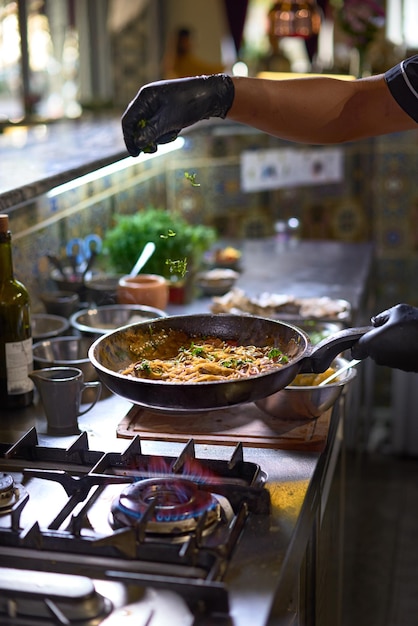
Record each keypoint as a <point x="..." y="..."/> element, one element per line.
<point x="38" y="158"/>
<point x="299" y="482"/>
<point x="305" y="269"/>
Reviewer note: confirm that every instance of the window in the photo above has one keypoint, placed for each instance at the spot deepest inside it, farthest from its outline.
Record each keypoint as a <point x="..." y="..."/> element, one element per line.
<point x="39" y="59"/>
<point x="402" y="16"/>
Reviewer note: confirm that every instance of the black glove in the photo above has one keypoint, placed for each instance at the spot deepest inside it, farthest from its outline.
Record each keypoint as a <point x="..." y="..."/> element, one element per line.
<point x="161" y="110"/>
<point x="394" y="340"/>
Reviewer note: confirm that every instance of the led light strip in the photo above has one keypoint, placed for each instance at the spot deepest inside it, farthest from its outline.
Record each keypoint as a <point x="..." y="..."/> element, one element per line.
<point x="115" y="167"/>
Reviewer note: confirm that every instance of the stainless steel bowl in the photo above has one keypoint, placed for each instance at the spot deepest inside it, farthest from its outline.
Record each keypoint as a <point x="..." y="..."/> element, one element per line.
<point x="66" y="352"/>
<point x="316" y="329"/>
<point x="62" y="303"/>
<point x="97" y="321"/>
<point x="297" y="402"/>
<point x="101" y="289"/>
<point x="45" y="326"/>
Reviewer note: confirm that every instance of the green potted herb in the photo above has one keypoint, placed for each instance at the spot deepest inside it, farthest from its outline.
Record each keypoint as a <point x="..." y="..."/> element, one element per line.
<point x="180" y="246"/>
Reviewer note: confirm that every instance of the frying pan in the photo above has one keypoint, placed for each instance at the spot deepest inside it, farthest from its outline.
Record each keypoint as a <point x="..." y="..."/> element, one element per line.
<point x="110" y="354"/>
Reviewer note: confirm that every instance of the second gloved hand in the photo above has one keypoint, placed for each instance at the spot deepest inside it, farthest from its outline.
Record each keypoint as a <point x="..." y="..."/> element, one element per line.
<point x="394" y="340"/>
<point x="162" y="109"/>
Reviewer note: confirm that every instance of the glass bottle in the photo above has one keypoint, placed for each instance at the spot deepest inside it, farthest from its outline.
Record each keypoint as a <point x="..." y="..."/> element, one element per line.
<point x="16" y="361"/>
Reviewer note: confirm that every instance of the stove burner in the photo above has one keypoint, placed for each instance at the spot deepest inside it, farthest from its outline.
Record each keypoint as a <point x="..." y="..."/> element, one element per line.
<point x="6" y="485"/>
<point x="168" y="505"/>
<point x="10" y="493"/>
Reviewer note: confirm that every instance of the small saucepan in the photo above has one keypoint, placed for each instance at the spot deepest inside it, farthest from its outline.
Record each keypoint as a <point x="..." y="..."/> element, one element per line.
<point x="110" y="354"/>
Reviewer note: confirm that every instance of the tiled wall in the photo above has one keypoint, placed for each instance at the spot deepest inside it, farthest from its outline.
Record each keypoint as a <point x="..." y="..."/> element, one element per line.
<point x="46" y="224"/>
<point x="396" y="217"/>
<point x="377" y="199"/>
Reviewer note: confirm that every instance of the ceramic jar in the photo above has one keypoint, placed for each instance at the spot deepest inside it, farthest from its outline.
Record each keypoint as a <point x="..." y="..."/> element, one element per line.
<point x="149" y="289"/>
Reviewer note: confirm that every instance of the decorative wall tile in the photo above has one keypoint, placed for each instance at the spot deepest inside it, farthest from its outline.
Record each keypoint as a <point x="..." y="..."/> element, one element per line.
<point x="376" y="200"/>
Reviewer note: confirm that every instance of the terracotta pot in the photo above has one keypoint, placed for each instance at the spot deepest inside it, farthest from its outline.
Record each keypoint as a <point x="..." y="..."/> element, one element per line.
<point x="149" y="289"/>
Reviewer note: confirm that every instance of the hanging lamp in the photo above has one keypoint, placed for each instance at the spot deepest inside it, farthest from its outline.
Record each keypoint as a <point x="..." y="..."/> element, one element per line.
<point x="294" y="19"/>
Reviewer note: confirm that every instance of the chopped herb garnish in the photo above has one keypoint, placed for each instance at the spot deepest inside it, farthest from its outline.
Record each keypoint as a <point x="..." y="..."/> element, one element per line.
<point x="192" y="179"/>
<point x="177" y="267"/>
<point x="229" y="363"/>
<point x="197" y="351"/>
<point x="277" y="355"/>
<point x="143" y="366"/>
<point x="170" y="233"/>
<point x="235" y="362"/>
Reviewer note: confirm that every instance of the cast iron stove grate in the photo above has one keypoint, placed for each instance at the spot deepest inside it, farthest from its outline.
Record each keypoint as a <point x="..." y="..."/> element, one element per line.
<point x="79" y="484"/>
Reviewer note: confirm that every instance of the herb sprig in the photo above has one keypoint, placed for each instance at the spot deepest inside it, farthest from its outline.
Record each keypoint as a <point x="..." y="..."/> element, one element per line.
<point x="179" y="266"/>
<point x="191" y="178"/>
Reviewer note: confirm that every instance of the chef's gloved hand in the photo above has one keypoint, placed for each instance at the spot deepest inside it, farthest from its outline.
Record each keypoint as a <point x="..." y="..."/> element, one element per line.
<point x="162" y="109"/>
<point x="394" y="340"/>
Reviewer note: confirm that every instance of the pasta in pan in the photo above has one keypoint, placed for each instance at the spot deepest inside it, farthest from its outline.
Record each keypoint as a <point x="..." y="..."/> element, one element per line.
<point x="174" y="356"/>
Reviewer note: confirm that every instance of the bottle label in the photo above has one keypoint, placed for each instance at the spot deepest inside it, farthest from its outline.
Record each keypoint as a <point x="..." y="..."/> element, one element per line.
<point x="18" y="364"/>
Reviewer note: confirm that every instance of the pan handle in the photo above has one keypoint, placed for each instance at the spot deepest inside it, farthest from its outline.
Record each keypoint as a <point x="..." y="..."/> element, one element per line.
<point x="323" y="354"/>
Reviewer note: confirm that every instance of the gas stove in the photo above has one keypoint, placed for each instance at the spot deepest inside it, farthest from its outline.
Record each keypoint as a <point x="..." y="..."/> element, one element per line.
<point x="90" y="537"/>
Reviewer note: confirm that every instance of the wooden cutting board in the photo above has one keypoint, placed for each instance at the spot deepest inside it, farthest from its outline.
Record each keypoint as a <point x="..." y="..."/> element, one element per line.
<point x="245" y="423"/>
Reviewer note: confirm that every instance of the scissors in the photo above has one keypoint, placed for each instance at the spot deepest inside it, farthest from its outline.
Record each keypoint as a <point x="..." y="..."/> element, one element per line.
<point x="80" y="250"/>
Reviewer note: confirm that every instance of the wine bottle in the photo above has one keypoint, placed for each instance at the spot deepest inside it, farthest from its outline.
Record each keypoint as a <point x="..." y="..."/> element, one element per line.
<point x="16" y="360"/>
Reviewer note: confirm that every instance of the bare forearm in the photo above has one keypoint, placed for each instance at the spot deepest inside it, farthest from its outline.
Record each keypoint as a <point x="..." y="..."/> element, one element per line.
<point x="315" y="110"/>
<point x="318" y="110"/>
